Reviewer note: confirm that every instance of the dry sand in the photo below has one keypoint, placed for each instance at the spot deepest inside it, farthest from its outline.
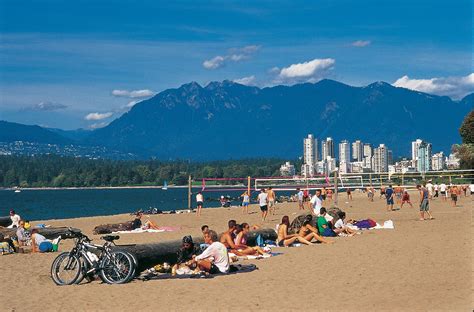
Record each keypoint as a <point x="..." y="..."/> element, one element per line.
<point x="417" y="266"/>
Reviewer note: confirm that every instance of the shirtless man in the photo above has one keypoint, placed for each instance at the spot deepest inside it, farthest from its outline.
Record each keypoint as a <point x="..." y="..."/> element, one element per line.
<point x="284" y="239"/>
<point x="271" y="200"/>
<point x="398" y="194"/>
<point x="228" y="239"/>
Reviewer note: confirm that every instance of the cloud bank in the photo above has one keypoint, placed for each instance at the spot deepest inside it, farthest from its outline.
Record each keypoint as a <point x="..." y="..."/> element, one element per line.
<point x="234" y="55"/>
<point x="361" y="43"/>
<point x="133" y="94"/>
<point x="47" y="106"/>
<point x="247" y="81"/>
<point x="98" y="116"/>
<point x="310" y="71"/>
<point x="455" y="87"/>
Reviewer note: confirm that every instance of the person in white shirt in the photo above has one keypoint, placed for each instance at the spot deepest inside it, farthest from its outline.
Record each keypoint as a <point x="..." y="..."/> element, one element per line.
<point x="471" y="188"/>
<point x="436" y="189"/>
<point x="15" y="219"/>
<point x="429" y="186"/>
<point x="263" y="203"/>
<point x="300" y="198"/>
<point x="215" y="258"/>
<point x="442" y="189"/>
<point x="199" y="202"/>
<point x="341" y="227"/>
<point x="316" y="203"/>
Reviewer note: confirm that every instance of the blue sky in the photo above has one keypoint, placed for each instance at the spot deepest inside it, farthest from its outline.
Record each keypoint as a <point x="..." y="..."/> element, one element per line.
<point x="60" y="61"/>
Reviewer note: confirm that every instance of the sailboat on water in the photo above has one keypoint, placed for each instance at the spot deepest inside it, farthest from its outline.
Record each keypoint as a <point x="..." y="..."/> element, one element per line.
<point x="165" y="186"/>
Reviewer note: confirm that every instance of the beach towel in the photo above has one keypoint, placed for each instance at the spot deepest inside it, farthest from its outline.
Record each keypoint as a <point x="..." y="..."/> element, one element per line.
<point x="366" y="224"/>
<point x="386" y="225"/>
<point x="234" y="269"/>
<point x="140" y="230"/>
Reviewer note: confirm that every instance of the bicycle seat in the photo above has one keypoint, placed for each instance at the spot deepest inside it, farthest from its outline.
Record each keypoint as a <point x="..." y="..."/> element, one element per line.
<point x="110" y="238"/>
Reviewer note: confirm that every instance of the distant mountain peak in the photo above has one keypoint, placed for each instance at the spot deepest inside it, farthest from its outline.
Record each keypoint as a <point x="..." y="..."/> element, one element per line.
<point x="379" y="84"/>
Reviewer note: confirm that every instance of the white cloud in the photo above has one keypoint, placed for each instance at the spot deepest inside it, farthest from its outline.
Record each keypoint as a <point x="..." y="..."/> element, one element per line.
<point x="133" y="94"/>
<point x="98" y="116"/>
<point x="48" y="106"/>
<point x="361" y="43"/>
<point x="310" y="71"/>
<point x="247" y="81"/>
<point x="214" y="63"/>
<point x="234" y="55"/>
<point x="132" y="103"/>
<point x="455" y="87"/>
<point x="98" y="125"/>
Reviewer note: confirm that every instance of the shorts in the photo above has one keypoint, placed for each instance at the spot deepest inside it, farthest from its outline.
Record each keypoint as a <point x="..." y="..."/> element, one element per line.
<point x="45" y="246"/>
<point x="245" y="204"/>
<point x="199" y="203"/>
<point x="425" y="205"/>
<point x="281" y="243"/>
<point x="328" y="233"/>
<point x="443" y="192"/>
<point x="390" y="201"/>
<point x="214" y="269"/>
<point x="264" y="208"/>
<point x="454" y="197"/>
<point x="271" y="203"/>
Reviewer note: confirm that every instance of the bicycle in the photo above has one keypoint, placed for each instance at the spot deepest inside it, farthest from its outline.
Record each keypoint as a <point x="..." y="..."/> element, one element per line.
<point x="86" y="260"/>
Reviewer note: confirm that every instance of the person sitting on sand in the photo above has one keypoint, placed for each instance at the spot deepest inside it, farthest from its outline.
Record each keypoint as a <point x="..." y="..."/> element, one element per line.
<point x="308" y="232"/>
<point x="204" y="228"/>
<point x="15" y="219"/>
<point x="228" y="238"/>
<point x="406" y="199"/>
<point x="215" y="259"/>
<point x="22" y="235"/>
<point x="341" y="227"/>
<point x="8" y="241"/>
<point x="186" y="252"/>
<point x="39" y="243"/>
<point x="241" y="231"/>
<point x="284" y="239"/>
<point x="323" y="225"/>
<point x="148" y="225"/>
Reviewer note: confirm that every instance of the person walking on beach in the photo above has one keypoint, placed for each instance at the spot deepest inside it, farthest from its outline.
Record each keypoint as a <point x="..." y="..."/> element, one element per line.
<point x="300" y="199"/>
<point x="263" y="203"/>
<point x="199" y="203"/>
<point x="436" y="190"/>
<point x="454" y="195"/>
<point x="245" y="202"/>
<point x="389" y="197"/>
<point x="271" y="200"/>
<point x="424" y="203"/>
<point x="429" y="187"/>
<point x="349" y="194"/>
<point x="442" y="189"/>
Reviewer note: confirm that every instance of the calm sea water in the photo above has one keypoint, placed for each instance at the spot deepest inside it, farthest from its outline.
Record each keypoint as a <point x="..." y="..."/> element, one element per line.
<point x="63" y="204"/>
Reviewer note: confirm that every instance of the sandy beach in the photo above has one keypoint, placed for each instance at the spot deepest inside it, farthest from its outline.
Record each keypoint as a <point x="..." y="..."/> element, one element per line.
<point x="417" y="266"/>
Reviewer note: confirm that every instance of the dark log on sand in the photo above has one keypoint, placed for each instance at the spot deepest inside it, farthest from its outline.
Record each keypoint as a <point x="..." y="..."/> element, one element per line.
<point x="49" y="233"/>
<point x="5" y="221"/>
<point x="149" y="255"/>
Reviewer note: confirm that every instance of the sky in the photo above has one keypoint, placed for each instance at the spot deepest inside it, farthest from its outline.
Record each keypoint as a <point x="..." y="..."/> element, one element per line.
<point x="81" y="64"/>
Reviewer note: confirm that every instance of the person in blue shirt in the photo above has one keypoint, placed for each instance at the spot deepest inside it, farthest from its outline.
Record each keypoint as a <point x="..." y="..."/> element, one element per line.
<point x="389" y="197"/>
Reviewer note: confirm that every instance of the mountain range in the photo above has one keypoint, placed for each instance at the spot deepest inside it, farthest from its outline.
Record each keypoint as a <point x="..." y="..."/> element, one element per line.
<point x="224" y="120"/>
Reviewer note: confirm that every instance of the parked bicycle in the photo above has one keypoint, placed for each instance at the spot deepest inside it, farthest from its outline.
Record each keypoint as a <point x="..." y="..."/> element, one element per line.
<point x="87" y="260"/>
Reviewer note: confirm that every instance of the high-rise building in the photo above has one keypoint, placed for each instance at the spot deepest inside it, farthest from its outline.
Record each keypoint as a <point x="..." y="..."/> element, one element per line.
<point x="380" y="163"/>
<point x="390" y="157"/>
<point x="423" y="162"/>
<point x="414" y="151"/>
<point x="368" y="152"/>
<point x="452" y="162"/>
<point x="437" y="161"/>
<point x="327" y="148"/>
<point x="344" y="152"/>
<point x="357" y="151"/>
<point x="310" y="150"/>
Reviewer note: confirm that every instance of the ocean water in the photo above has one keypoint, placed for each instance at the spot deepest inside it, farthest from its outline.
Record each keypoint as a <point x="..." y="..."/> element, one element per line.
<point x="64" y="204"/>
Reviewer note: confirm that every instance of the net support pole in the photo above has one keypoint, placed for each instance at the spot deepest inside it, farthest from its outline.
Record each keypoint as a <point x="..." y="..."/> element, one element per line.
<point x="370" y="178"/>
<point x="335" y="188"/>
<point x="248" y="186"/>
<point x="189" y="192"/>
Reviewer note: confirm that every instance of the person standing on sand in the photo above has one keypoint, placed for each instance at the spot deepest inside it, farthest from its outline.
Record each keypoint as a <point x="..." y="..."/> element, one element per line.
<point x="271" y="200"/>
<point x="389" y="197"/>
<point x="349" y="194"/>
<point x="245" y="202"/>
<point x="442" y="189"/>
<point x="406" y="199"/>
<point x="429" y="187"/>
<point x="424" y="202"/>
<point x="436" y="190"/>
<point x="199" y="203"/>
<point x="300" y="199"/>
<point x="316" y="203"/>
<point x="263" y="203"/>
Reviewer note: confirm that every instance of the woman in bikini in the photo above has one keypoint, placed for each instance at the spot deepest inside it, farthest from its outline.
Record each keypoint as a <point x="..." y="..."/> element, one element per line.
<point x="308" y="232"/>
<point x="241" y="231"/>
<point x="284" y="239"/>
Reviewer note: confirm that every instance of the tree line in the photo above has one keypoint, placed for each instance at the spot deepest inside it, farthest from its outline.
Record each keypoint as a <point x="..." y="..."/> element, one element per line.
<point x="58" y="171"/>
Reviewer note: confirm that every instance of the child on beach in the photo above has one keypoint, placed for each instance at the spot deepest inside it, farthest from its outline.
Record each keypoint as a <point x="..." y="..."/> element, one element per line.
<point x="245" y="202"/>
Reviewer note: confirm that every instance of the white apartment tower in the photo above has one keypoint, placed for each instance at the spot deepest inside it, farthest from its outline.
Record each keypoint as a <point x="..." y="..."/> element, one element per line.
<point x="381" y="158"/>
<point x="310" y="156"/>
<point x="344" y="152"/>
<point x="414" y="151"/>
<point x="327" y="148"/>
<point x="437" y="161"/>
<point x="358" y="151"/>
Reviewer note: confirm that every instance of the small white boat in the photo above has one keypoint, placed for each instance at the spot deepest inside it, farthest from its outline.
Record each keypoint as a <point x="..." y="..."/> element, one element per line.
<point x="165" y="186"/>
<point x="17" y="191"/>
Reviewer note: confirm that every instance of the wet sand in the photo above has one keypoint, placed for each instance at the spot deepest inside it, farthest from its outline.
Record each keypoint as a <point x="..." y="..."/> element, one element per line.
<point x="420" y="265"/>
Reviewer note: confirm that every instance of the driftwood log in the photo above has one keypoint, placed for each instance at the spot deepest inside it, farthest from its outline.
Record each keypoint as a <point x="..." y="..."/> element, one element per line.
<point x="149" y="255"/>
<point x="5" y="221"/>
<point x="115" y="227"/>
<point x="49" y="233"/>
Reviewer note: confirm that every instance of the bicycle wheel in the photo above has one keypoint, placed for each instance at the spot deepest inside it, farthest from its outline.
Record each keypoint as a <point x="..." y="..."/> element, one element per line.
<point x="118" y="268"/>
<point x="66" y="269"/>
<point x="135" y="265"/>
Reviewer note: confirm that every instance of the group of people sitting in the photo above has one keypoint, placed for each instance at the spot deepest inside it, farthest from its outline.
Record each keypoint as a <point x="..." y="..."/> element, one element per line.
<point x="26" y="236"/>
